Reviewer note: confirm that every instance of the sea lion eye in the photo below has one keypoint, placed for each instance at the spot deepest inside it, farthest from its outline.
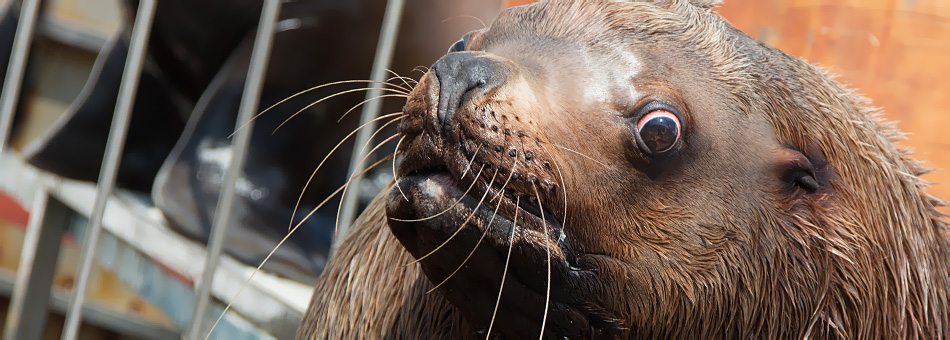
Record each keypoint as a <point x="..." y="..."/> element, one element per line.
<point x="658" y="131"/>
<point x="458" y="46"/>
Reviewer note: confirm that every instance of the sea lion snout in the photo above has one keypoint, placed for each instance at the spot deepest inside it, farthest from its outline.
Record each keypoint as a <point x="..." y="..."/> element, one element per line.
<point x="476" y="115"/>
<point x="463" y="76"/>
<point x="477" y="177"/>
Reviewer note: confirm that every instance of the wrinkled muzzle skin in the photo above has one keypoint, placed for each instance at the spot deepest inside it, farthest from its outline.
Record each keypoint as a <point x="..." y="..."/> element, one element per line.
<point x="525" y="155"/>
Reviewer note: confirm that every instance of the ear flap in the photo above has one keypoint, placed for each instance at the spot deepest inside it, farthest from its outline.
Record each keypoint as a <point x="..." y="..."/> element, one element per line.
<point x="794" y="168"/>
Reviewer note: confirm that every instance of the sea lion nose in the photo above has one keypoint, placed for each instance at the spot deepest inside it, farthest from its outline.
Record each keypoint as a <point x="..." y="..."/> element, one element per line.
<point x="463" y="76"/>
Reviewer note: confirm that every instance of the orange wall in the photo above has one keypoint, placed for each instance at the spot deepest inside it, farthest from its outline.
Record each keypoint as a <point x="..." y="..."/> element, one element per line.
<point x="509" y="3"/>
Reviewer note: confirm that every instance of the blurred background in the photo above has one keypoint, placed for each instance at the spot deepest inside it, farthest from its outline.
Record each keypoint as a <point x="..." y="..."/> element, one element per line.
<point x="147" y="265"/>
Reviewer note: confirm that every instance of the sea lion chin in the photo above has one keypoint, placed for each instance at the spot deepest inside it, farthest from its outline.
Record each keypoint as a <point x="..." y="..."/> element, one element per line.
<point x="643" y="170"/>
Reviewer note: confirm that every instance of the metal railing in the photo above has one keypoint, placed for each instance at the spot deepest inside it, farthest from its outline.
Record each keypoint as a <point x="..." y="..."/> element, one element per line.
<point x="384" y="57"/>
<point x="249" y="102"/>
<point x="49" y="216"/>
<point x="26" y="26"/>
<point x="110" y="163"/>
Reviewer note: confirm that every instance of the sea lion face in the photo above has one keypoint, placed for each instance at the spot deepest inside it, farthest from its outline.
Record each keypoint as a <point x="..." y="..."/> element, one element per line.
<point x="634" y="180"/>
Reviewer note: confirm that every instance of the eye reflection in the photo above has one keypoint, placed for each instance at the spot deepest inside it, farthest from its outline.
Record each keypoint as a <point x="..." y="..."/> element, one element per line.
<point x="658" y="131"/>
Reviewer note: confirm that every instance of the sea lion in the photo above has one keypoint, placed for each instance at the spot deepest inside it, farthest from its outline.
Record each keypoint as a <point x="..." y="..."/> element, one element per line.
<point x="662" y="175"/>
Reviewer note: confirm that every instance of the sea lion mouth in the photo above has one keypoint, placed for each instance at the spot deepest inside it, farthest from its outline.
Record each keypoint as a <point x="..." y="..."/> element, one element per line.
<point x="468" y="230"/>
<point x="488" y="191"/>
<point x="486" y="196"/>
<point x="467" y="249"/>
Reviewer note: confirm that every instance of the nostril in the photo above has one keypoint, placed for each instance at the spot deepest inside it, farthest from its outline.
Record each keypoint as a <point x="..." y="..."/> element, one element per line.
<point x="462" y="76"/>
<point x="454" y="95"/>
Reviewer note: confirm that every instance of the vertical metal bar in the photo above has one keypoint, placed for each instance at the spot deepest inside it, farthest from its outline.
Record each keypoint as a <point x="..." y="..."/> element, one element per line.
<point x="117" y="133"/>
<point x="29" y="11"/>
<point x="29" y="305"/>
<point x="253" y="87"/>
<point x="385" y="48"/>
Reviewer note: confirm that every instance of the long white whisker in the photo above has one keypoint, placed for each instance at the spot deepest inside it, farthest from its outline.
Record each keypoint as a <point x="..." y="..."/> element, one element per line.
<point x="311" y="89"/>
<point x="312" y="175"/>
<point x="380" y="129"/>
<point x="470" y="162"/>
<point x="446" y="209"/>
<point x="338" y="190"/>
<point x="504" y="274"/>
<point x="462" y="226"/>
<point x="421" y="69"/>
<point x="563" y="186"/>
<point x="336" y="225"/>
<point x="403" y="79"/>
<point x="467" y="16"/>
<point x="547" y="292"/>
<point x="585" y="156"/>
<point x="396" y="179"/>
<point x="485" y="232"/>
<point x="367" y="101"/>
<point x="282" y="241"/>
<point x="326" y="98"/>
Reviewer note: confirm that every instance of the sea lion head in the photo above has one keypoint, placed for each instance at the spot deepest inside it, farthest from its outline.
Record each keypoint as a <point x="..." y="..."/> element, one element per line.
<point x="644" y="169"/>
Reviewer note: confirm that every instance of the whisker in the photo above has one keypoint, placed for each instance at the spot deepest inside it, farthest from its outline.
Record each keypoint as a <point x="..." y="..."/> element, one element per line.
<point x="466" y="16"/>
<point x="282" y="241"/>
<point x="504" y="274"/>
<point x="395" y="77"/>
<point x="470" y="162"/>
<point x="563" y="186"/>
<point x="492" y="220"/>
<point x="462" y="226"/>
<point x="312" y="175"/>
<point x="421" y="69"/>
<point x="380" y="129"/>
<point x="396" y="179"/>
<point x="407" y="80"/>
<point x="547" y="292"/>
<point x="311" y="89"/>
<point x="338" y="190"/>
<point x="328" y="97"/>
<point x="451" y="206"/>
<point x="586" y="156"/>
<point x="336" y="225"/>
<point x="403" y="79"/>
<point x="367" y="101"/>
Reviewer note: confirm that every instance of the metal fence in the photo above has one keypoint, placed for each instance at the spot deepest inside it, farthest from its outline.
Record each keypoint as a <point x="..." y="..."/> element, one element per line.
<point x="48" y="218"/>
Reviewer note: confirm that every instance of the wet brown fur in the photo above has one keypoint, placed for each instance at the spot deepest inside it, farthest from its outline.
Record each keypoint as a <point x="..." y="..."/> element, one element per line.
<point x="865" y="257"/>
<point x="392" y="302"/>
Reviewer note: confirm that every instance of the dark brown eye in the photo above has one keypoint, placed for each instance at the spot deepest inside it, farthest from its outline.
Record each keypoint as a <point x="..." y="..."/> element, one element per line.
<point x="658" y="131"/>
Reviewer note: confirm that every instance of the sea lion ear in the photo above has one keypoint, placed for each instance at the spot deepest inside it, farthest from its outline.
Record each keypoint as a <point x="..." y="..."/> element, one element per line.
<point x="794" y="168"/>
